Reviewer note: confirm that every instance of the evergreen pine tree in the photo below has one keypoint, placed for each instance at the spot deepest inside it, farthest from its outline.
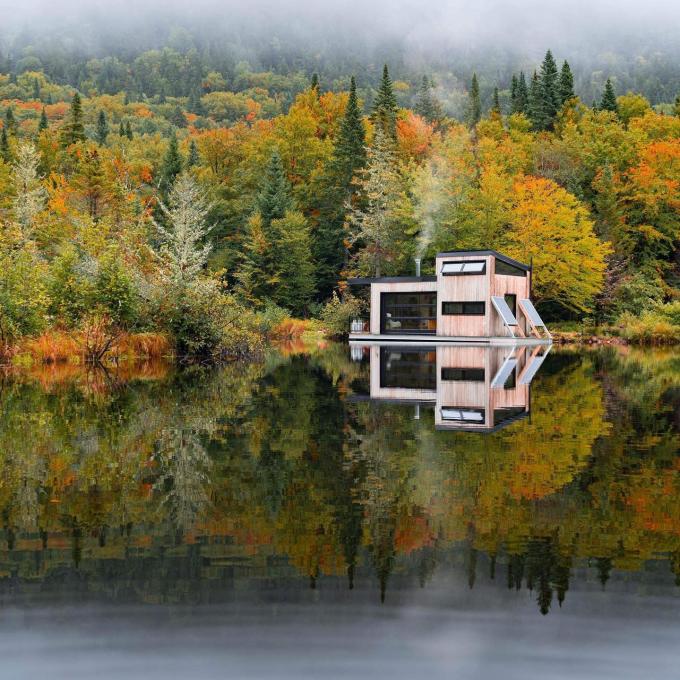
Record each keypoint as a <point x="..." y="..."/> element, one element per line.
<point x="193" y="159"/>
<point x="128" y="130"/>
<point x="315" y="83"/>
<point x="349" y="156"/>
<point x="10" y="121"/>
<point x="385" y="106"/>
<point x="549" y="92"/>
<point x="171" y="166"/>
<point x="522" y="97"/>
<point x="74" y="130"/>
<point x="513" y="94"/>
<point x="427" y="104"/>
<point x="534" y="103"/>
<point x="275" y="196"/>
<point x="676" y="106"/>
<point x="121" y="129"/>
<point x="475" y="104"/>
<point x="43" y="124"/>
<point x="102" y="131"/>
<point x="36" y="89"/>
<point x="608" y="102"/>
<point x="5" y="150"/>
<point x="566" y="86"/>
<point x="496" y="108"/>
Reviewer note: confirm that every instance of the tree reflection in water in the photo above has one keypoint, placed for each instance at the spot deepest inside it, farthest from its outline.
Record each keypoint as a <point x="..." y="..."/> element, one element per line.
<point x="169" y="486"/>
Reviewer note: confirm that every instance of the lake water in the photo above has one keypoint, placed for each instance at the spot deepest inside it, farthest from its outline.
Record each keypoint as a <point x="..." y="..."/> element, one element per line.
<point x="332" y="512"/>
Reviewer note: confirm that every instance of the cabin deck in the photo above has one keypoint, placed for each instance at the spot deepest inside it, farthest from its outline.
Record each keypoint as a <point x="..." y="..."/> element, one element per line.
<point x="434" y="340"/>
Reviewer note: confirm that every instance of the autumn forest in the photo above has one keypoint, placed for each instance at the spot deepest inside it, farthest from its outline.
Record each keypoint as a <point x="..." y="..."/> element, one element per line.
<point x="163" y="202"/>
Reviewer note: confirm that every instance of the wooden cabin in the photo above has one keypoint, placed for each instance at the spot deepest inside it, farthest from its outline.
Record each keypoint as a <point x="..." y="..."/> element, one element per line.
<point x="472" y="388"/>
<point x="478" y="295"/>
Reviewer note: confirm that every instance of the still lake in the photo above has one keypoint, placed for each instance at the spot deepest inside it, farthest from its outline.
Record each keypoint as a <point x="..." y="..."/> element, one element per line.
<point x="335" y="511"/>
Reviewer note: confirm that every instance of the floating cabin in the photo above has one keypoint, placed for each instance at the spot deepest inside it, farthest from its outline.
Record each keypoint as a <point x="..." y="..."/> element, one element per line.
<point x="475" y="296"/>
<point x="473" y="388"/>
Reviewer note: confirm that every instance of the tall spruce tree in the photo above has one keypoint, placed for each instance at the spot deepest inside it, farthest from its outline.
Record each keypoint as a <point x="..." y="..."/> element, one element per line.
<point x="128" y="130"/>
<point x="10" y="121"/>
<point x="534" y="103"/>
<point x="566" y="86"/>
<point x="121" y="129"/>
<point x="74" y="130"/>
<point x="314" y="85"/>
<point x="385" y="106"/>
<point x="475" y="103"/>
<point x="43" y="124"/>
<point x="259" y="274"/>
<point x="608" y="102"/>
<point x="549" y="92"/>
<point x="513" y="93"/>
<point x="171" y="166"/>
<point x="102" y="131"/>
<point x="427" y="104"/>
<point x="5" y="149"/>
<point x="496" y="107"/>
<point x="36" y="89"/>
<point x="676" y="106"/>
<point x="349" y="157"/>
<point x="275" y="196"/>
<point x="193" y="159"/>
<point x="521" y="101"/>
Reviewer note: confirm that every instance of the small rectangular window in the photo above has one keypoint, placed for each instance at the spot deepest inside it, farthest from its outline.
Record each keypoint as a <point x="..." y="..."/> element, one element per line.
<point x="463" y="374"/>
<point x="507" y="269"/>
<point x="463" y="415"/>
<point x="463" y="308"/>
<point x="462" y="268"/>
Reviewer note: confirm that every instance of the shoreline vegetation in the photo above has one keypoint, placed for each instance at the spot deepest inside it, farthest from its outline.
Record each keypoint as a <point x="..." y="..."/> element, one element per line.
<point x="165" y="223"/>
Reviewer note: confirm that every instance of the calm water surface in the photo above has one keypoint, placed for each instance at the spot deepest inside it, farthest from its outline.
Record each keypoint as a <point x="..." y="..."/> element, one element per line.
<point x="376" y="512"/>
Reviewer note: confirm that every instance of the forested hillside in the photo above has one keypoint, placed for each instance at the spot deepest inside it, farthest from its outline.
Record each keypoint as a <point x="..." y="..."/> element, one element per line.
<point x="167" y="192"/>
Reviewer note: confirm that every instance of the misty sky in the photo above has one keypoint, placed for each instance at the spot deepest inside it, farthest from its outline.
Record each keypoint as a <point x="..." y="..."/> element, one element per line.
<point x="444" y="23"/>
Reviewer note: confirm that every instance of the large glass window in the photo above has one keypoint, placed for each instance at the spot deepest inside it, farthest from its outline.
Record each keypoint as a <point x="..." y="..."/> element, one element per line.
<point x="408" y="368"/>
<point x="463" y="268"/>
<point x="508" y="269"/>
<point x="408" y="313"/>
<point x="464" y="308"/>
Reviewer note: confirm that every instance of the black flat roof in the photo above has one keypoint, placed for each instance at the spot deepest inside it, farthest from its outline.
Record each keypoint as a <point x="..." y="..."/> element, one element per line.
<point x="364" y="280"/>
<point x="495" y="253"/>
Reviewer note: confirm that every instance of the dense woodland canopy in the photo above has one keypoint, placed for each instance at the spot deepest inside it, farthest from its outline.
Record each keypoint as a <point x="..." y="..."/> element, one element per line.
<point x="178" y="191"/>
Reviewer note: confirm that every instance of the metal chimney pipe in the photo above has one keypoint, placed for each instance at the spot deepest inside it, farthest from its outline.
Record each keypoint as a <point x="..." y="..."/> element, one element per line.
<point x="417" y="261"/>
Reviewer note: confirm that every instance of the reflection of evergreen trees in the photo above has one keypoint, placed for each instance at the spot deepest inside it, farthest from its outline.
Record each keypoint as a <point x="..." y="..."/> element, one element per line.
<point x="268" y="471"/>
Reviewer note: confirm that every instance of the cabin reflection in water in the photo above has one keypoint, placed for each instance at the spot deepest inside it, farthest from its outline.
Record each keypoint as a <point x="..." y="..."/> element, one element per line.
<point x="472" y="388"/>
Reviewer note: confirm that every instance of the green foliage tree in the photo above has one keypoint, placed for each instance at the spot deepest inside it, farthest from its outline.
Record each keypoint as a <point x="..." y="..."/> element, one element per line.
<point x="385" y="106"/>
<point x="294" y="263"/>
<point x="520" y="98"/>
<point x="73" y="130"/>
<point x="171" y="166"/>
<point x="349" y="157"/>
<point x="275" y="197"/>
<point x="549" y="92"/>
<point x="535" y="103"/>
<point x="427" y="105"/>
<point x="128" y="130"/>
<point x="43" y="123"/>
<point x="193" y="159"/>
<point x="474" y="102"/>
<point x="608" y="101"/>
<point x="10" y="121"/>
<point x="566" y="84"/>
<point x="102" y="131"/>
